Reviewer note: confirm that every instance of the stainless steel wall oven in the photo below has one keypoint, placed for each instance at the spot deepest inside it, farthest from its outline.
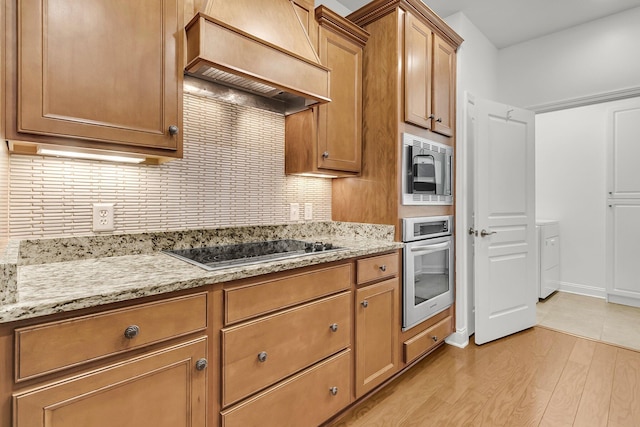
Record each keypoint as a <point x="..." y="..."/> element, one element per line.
<point x="428" y="266"/>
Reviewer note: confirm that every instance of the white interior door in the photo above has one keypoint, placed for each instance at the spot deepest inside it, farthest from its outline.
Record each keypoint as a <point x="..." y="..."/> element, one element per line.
<point x="623" y="210"/>
<point x="504" y="261"/>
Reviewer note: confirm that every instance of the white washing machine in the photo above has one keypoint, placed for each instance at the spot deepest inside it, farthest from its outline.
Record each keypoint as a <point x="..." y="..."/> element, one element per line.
<point x="548" y="236"/>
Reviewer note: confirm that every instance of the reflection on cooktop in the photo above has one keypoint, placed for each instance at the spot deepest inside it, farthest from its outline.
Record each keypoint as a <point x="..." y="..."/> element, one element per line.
<point x="221" y="256"/>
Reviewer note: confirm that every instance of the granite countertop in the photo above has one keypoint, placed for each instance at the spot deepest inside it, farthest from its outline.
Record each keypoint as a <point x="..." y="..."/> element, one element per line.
<point x="49" y="276"/>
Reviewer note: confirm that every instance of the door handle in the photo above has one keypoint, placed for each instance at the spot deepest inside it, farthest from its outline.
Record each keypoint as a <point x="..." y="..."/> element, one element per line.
<point x="485" y="233"/>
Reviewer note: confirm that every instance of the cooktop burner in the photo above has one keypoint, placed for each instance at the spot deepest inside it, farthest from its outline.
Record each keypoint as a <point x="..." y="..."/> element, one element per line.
<point x="221" y="256"/>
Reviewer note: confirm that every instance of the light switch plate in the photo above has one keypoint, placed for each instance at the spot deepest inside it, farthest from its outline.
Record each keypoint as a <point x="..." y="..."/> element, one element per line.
<point x="308" y="211"/>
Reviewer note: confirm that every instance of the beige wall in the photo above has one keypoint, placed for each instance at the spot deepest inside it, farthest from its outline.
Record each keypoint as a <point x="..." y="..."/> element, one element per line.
<point x="232" y="174"/>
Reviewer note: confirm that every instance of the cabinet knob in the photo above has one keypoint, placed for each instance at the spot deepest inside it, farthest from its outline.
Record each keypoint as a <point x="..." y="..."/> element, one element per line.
<point x="383" y="268"/>
<point x="334" y="327"/>
<point x="262" y="357"/>
<point x="325" y="155"/>
<point x="365" y="303"/>
<point x="173" y="130"/>
<point x="201" y="364"/>
<point x="333" y="390"/>
<point x="439" y="120"/>
<point x="431" y="116"/>
<point x="434" y="338"/>
<point x="131" y="331"/>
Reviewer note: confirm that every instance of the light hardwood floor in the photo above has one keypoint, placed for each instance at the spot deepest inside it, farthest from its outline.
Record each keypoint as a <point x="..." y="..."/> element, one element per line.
<point x="538" y="377"/>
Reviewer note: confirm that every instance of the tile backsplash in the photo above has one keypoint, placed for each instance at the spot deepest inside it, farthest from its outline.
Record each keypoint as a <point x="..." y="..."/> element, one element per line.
<point x="232" y="174"/>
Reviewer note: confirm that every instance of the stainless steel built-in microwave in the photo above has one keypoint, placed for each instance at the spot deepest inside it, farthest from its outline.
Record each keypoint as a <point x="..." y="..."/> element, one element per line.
<point x="427" y="168"/>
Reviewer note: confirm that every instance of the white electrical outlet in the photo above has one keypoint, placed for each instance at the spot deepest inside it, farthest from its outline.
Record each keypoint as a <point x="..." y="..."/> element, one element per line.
<point x="294" y="211"/>
<point x="103" y="217"/>
<point x="308" y="211"/>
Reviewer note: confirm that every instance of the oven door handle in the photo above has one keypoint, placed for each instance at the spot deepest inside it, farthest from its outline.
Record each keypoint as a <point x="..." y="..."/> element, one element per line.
<point x="431" y="248"/>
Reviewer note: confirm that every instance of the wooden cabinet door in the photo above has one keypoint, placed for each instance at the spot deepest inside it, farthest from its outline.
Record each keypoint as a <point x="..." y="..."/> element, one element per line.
<point x="377" y="324"/>
<point x="161" y="389"/>
<point x="443" y="86"/>
<point x="101" y="70"/>
<point x="417" y="72"/>
<point x="340" y="121"/>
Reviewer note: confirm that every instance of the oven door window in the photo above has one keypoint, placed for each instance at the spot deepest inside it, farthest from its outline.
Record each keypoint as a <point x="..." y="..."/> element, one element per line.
<point x="431" y="275"/>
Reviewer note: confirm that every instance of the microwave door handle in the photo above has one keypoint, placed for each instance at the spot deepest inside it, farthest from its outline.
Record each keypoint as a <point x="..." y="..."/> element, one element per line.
<point x="431" y="248"/>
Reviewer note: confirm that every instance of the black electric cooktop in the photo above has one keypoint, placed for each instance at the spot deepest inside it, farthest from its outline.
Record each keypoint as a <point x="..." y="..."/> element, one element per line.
<point x="221" y="256"/>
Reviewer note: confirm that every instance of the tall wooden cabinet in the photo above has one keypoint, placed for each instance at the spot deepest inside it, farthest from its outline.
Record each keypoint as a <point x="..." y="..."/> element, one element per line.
<point x="327" y="139"/>
<point x="95" y="74"/>
<point x="429" y="77"/>
<point x="408" y="86"/>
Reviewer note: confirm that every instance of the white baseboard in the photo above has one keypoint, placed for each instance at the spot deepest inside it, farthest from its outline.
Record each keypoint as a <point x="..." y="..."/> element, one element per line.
<point x="459" y="338"/>
<point x="616" y="299"/>
<point x="576" y="288"/>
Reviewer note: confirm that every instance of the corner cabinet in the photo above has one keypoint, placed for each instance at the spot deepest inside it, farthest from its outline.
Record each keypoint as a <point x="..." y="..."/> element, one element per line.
<point x="96" y="74"/>
<point x="327" y="139"/>
<point x="429" y="83"/>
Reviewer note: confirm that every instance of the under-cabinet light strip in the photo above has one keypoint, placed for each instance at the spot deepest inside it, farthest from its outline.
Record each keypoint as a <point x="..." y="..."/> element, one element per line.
<point x="89" y="156"/>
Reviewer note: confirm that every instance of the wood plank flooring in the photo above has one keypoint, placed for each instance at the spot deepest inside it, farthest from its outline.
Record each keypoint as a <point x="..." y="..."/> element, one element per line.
<point x="538" y="377"/>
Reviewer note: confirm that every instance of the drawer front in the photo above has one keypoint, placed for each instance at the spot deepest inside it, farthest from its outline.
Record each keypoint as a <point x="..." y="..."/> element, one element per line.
<point x="260" y="353"/>
<point x="306" y="399"/>
<point x="377" y="268"/>
<point x="264" y="297"/>
<point x="50" y="347"/>
<point x="427" y="339"/>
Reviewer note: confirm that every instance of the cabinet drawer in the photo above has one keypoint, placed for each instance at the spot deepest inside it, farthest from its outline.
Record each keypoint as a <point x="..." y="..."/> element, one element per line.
<point x="257" y="354"/>
<point x="264" y="297"/>
<point x="427" y="339"/>
<point x="53" y="346"/>
<point x="303" y="400"/>
<point x="377" y="268"/>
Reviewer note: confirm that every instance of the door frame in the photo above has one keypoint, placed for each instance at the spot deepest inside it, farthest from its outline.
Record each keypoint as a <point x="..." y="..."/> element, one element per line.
<point x="464" y="200"/>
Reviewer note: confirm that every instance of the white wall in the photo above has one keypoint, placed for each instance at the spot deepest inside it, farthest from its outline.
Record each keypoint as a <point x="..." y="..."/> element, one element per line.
<point x="335" y="6"/>
<point x="581" y="62"/>
<point x="571" y="187"/>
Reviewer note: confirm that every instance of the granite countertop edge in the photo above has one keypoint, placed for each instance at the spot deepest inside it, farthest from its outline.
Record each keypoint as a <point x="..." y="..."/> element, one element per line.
<point x="58" y="287"/>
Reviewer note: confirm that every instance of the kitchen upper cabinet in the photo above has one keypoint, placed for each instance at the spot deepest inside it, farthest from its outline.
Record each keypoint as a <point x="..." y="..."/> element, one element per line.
<point x="417" y="74"/>
<point x="429" y="89"/>
<point x="97" y="74"/>
<point x="377" y="322"/>
<point x="444" y="91"/>
<point x="327" y="139"/>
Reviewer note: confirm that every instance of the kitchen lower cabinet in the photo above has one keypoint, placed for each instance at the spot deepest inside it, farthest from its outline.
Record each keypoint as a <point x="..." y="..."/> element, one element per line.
<point x="286" y="347"/>
<point x="165" y="388"/>
<point x="257" y="354"/>
<point x="306" y="399"/>
<point x="95" y="74"/>
<point x="148" y="364"/>
<point x="377" y="322"/>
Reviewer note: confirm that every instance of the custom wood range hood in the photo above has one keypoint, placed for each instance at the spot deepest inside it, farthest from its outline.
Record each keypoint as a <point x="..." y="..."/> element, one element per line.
<point x="259" y="46"/>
